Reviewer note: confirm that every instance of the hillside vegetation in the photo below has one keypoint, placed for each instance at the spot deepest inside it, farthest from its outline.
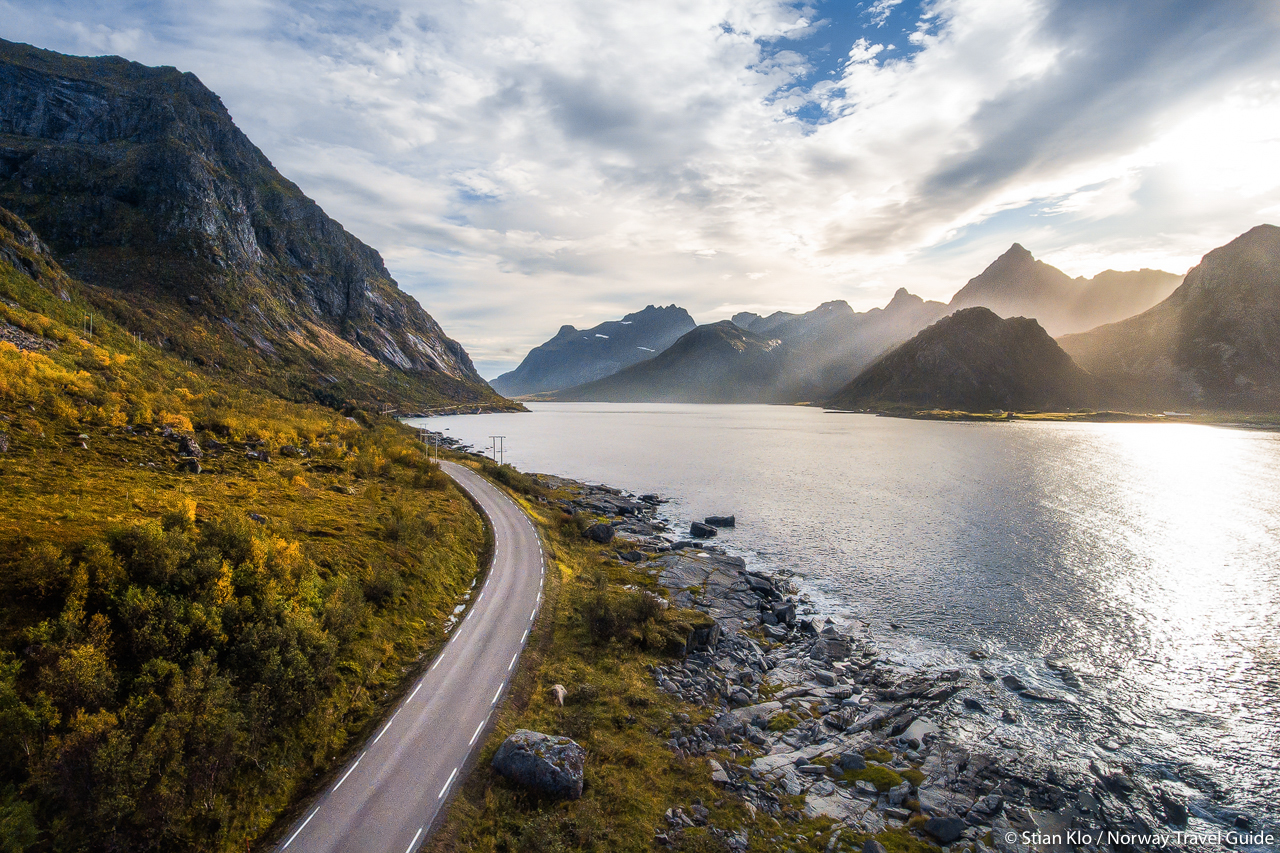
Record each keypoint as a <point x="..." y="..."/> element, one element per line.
<point x="181" y="654"/>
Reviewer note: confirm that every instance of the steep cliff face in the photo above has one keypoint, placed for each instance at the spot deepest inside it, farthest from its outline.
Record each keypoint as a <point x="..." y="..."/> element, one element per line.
<point x="576" y="356"/>
<point x="974" y="361"/>
<point x="1214" y="343"/>
<point x="140" y="181"/>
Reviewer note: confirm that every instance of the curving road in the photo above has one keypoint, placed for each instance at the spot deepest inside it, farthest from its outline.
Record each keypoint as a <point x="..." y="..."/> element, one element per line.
<point x="387" y="798"/>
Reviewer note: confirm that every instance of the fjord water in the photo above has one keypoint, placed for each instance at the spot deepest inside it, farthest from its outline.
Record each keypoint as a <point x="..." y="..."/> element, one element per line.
<point x="1134" y="568"/>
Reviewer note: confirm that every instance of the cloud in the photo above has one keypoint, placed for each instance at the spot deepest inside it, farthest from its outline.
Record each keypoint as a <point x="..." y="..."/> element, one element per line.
<point x="525" y="165"/>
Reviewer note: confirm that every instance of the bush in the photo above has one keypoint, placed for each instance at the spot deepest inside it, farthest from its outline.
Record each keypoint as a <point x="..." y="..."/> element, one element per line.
<point x="882" y="777"/>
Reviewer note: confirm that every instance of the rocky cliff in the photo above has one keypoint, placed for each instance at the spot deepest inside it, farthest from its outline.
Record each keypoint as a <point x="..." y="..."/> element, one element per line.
<point x="142" y="184"/>
<point x="575" y="356"/>
<point x="1018" y="285"/>
<point x="974" y="361"/>
<point x="1214" y="343"/>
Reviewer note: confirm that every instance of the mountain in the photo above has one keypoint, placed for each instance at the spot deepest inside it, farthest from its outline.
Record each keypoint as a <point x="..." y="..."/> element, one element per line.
<point x="793" y="357"/>
<point x="826" y="347"/>
<point x="1018" y="285"/>
<point x="142" y="185"/>
<point x="974" y="361"/>
<point x="716" y="363"/>
<point x="574" y="357"/>
<point x="1213" y="343"/>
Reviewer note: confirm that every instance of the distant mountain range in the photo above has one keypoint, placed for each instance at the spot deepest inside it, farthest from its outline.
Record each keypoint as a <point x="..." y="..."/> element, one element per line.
<point x="1017" y="285"/>
<point x="717" y="363"/>
<point x="142" y="185"/>
<point x="974" y="361"/>
<point x="574" y="357"/>
<point x="782" y="358"/>
<point x="1214" y="343"/>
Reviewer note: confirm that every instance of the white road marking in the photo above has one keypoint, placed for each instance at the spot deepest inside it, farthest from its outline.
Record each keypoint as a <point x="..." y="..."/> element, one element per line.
<point x="414" y="693"/>
<point x="496" y="695"/>
<point x="387" y="726"/>
<point x="348" y="773"/>
<point x="525" y="637"/>
<point x="446" y="785"/>
<point x="533" y="613"/>
<point x="477" y="733"/>
<point x="511" y="665"/>
<point x="304" y="826"/>
<point x="436" y="664"/>
<point x="414" y="842"/>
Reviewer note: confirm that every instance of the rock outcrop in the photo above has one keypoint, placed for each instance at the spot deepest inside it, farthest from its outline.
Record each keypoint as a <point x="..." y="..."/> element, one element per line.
<point x="140" y="182"/>
<point x="548" y="764"/>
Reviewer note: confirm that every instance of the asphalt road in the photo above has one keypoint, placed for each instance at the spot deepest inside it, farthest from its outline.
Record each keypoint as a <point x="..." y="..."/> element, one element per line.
<point x="386" y="799"/>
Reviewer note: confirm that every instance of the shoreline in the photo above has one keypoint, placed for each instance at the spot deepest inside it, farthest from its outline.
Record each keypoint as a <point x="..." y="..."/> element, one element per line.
<point x="806" y="708"/>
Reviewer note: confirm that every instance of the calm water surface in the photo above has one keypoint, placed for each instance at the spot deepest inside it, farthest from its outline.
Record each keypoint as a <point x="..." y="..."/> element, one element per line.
<point x="1146" y="557"/>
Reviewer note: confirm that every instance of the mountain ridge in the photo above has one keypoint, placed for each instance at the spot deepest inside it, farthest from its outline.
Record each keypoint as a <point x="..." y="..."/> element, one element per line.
<point x="1213" y="343"/>
<point x="1017" y="284"/>
<point x="577" y="356"/>
<point x="974" y="360"/>
<point x="141" y="183"/>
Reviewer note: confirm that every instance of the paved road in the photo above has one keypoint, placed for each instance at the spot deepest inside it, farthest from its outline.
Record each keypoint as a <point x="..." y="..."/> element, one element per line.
<point x="386" y="799"/>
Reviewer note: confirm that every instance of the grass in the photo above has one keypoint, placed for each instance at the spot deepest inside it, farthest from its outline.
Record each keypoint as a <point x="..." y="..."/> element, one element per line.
<point x="882" y="777"/>
<point x="184" y="656"/>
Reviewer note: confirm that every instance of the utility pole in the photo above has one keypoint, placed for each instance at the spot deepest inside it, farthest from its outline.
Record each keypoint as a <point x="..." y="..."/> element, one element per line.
<point x="499" y="448"/>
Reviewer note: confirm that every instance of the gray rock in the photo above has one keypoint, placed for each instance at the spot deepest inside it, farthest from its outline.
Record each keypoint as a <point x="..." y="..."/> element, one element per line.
<point x="873" y="846"/>
<point x="974" y="705"/>
<point x="187" y="446"/>
<point x="1175" y="810"/>
<point x="602" y="533"/>
<point x="698" y="530"/>
<point x="191" y="466"/>
<point x="944" y="829"/>
<point x="826" y="678"/>
<point x="851" y="761"/>
<point x="544" y="763"/>
<point x="1014" y="683"/>
<point x="720" y="520"/>
<point x="633" y="556"/>
<point x="718" y="774"/>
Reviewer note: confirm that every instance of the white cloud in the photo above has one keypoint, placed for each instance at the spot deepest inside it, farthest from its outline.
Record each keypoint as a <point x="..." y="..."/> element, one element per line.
<point x="525" y="165"/>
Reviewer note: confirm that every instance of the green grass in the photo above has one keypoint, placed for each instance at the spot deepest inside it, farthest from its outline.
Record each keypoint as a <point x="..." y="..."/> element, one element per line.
<point x="882" y="777"/>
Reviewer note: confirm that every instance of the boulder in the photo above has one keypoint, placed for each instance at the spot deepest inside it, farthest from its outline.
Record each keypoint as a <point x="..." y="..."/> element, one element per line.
<point x="873" y="846"/>
<point x="945" y="829"/>
<point x="1014" y="683"/>
<point x="191" y="466"/>
<point x="632" y="556"/>
<point x="187" y="446"/>
<point x="851" y="761"/>
<point x="559" y="692"/>
<point x="602" y="533"/>
<point x="720" y="520"/>
<point x="544" y="763"/>
<point x="698" y="530"/>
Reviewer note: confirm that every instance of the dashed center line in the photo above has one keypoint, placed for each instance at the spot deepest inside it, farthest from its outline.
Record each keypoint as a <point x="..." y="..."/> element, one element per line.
<point x="414" y="693"/>
<point x="414" y="842"/>
<point x="477" y="732"/>
<point x="511" y="665"/>
<point x="495" y="696"/>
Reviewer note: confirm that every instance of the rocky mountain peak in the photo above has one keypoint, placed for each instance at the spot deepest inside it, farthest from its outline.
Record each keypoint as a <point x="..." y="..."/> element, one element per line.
<point x="141" y="182"/>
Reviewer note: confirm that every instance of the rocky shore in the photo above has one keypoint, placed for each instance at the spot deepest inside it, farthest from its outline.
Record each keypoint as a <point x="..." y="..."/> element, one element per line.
<point x="801" y="715"/>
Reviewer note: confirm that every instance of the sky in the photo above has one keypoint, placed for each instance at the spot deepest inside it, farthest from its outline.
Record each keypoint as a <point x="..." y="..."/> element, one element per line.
<point x="521" y="165"/>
